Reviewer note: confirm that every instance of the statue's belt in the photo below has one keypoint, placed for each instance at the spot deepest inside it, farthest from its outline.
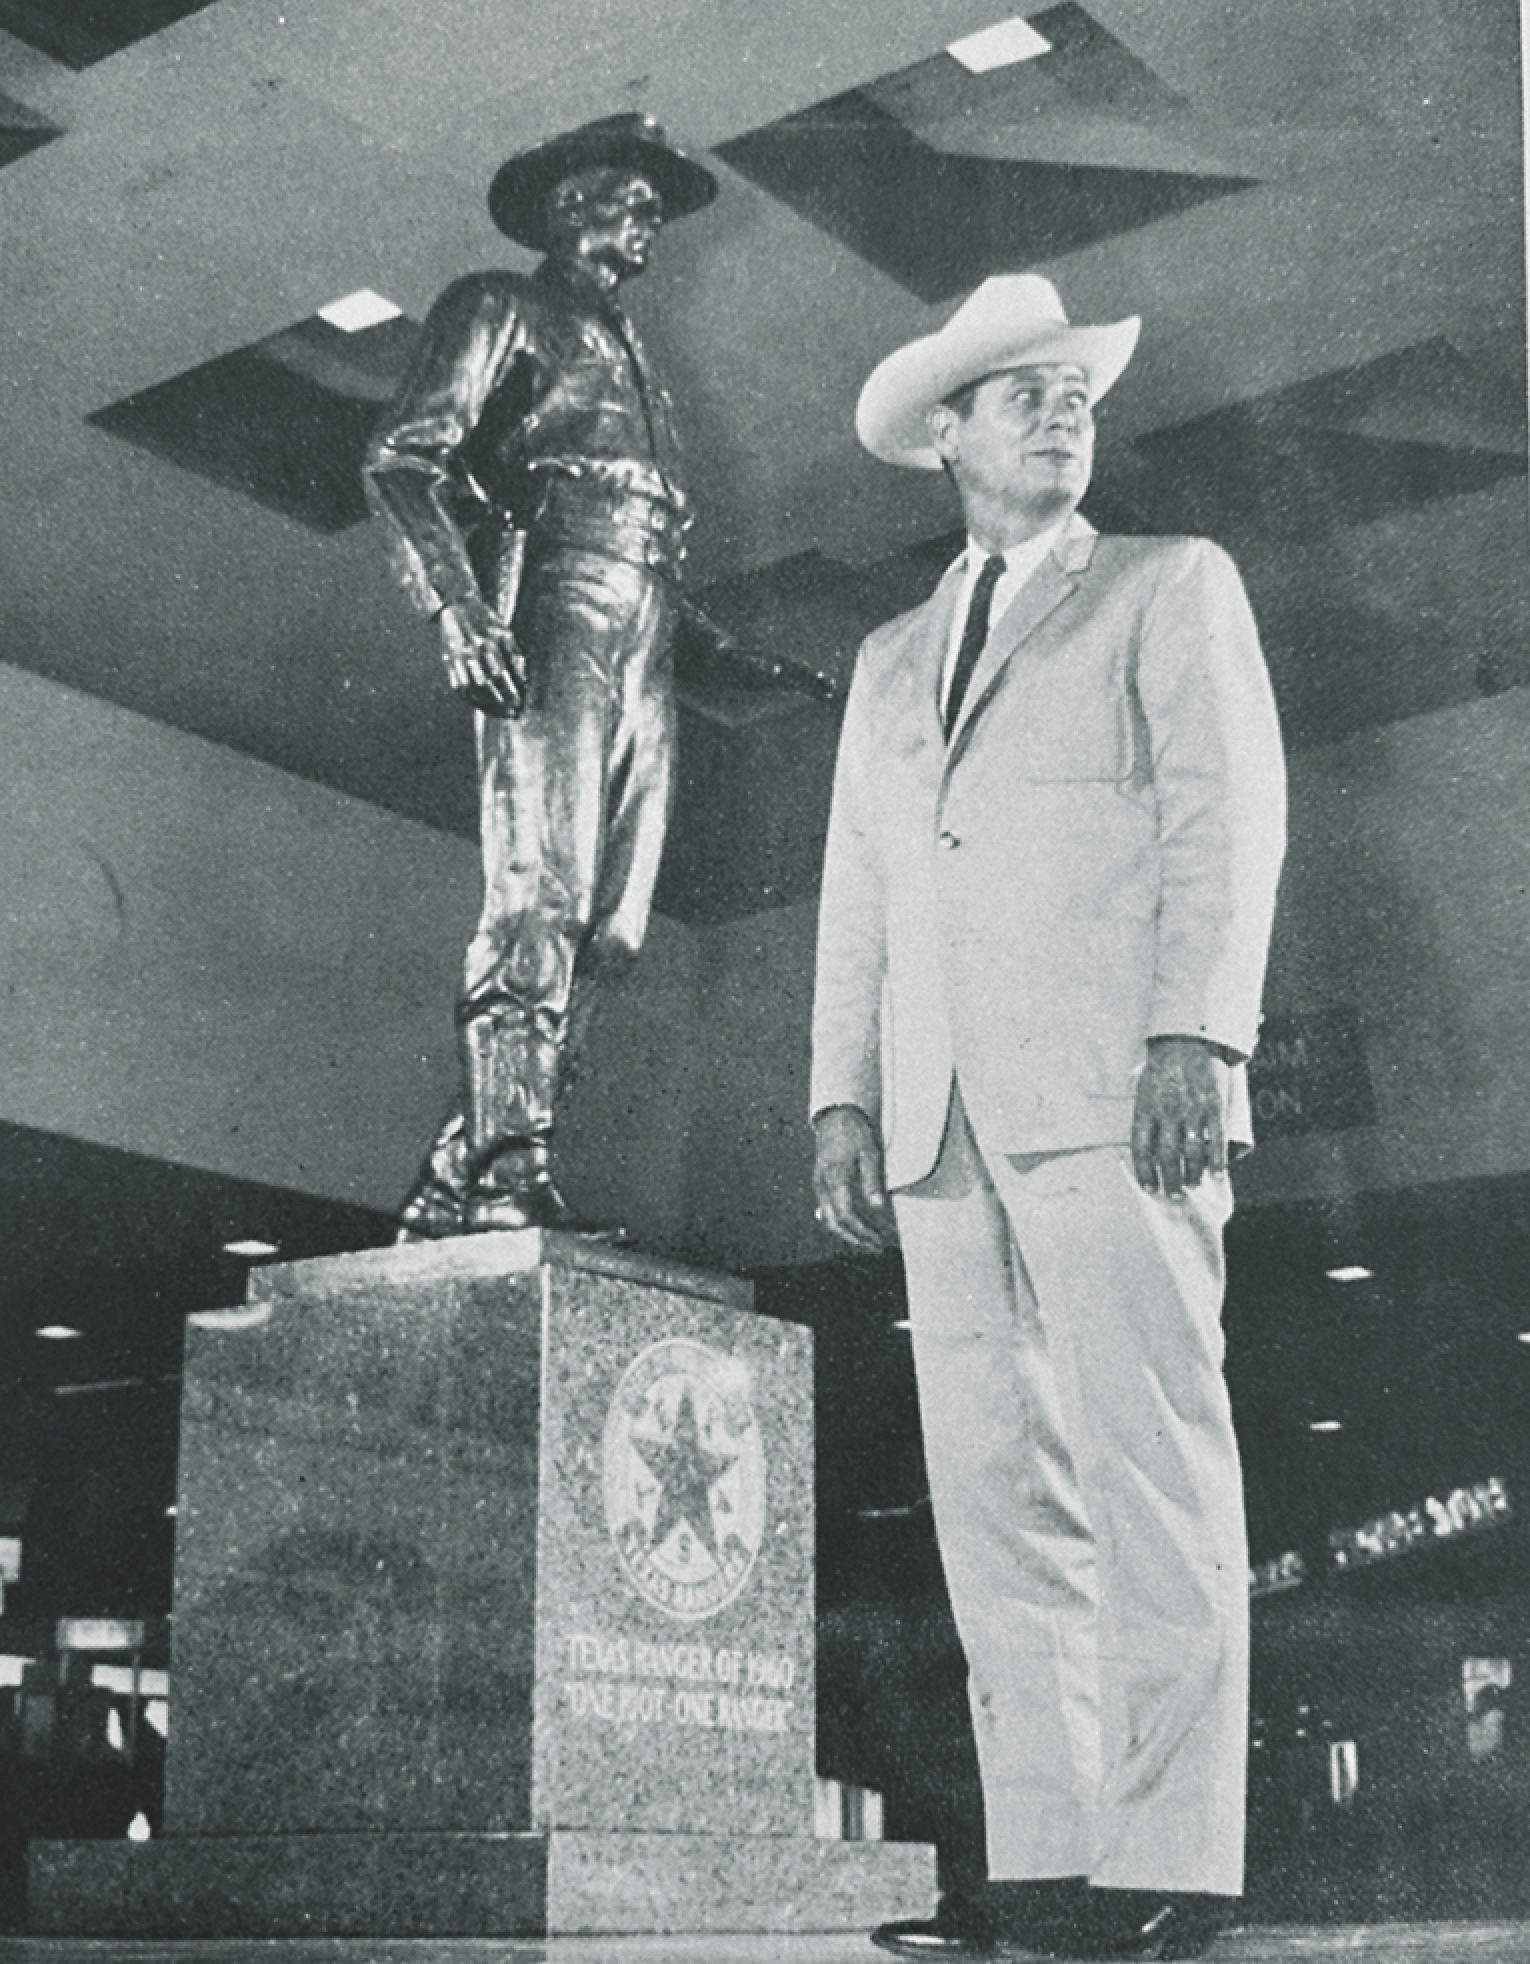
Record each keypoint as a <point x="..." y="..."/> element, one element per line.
<point x="627" y="515"/>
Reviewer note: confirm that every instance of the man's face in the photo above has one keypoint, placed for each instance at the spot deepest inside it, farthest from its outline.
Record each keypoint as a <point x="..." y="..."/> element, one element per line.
<point x="609" y="219"/>
<point x="1027" y="442"/>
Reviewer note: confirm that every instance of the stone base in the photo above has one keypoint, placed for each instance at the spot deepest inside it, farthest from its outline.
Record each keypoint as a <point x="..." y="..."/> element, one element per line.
<point x="568" y="1882"/>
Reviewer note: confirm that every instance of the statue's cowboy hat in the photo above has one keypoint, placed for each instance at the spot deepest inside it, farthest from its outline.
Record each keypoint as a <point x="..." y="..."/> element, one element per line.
<point x="1011" y="321"/>
<point x="628" y="141"/>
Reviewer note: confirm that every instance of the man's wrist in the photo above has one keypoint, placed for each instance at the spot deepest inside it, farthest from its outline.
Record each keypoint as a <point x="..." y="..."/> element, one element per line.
<point x="843" y="1105"/>
<point x="1222" y="1050"/>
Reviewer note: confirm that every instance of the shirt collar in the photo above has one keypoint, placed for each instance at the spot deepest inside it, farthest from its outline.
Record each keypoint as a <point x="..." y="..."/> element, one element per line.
<point x="1019" y="561"/>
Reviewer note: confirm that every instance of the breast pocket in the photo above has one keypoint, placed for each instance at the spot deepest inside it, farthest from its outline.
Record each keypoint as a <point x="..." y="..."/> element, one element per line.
<point x="1079" y="727"/>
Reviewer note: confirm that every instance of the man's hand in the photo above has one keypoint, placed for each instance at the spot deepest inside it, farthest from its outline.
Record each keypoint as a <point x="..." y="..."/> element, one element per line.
<point x="1177" y="1134"/>
<point x="848" y="1182"/>
<point x="484" y="664"/>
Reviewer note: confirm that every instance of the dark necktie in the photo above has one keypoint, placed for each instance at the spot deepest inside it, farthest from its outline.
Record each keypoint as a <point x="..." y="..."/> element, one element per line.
<point x="974" y="634"/>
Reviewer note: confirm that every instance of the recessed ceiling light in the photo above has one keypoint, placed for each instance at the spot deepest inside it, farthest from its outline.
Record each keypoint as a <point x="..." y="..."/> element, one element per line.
<point x="354" y="311"/>
<point x="1353" y="1273"/>
<point x="251" y="1250"/>
<point x="99" y="1633"/>
<point x="1524" y="1336"/>
<point x="1006" y="42"/>
<point x="1325" y="1425"/>
<point x="57" y="1332"/>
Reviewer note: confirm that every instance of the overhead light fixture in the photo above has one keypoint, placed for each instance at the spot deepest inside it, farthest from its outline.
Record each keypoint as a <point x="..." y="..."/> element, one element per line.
<point x="1524" y="1336"/>
<point x="999" y="46"/>
<point x="100" y="1633"/>
<point x="1326" y="1425"/>
<point x="250" y="1250"/>
<point x="58" y="1332"/>
<point x="1353" y="1273"/>
<point x="354" y="311"/>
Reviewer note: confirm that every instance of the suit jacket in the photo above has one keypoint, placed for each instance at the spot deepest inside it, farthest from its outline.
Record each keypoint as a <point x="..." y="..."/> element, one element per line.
<point x="1091" y="861"/>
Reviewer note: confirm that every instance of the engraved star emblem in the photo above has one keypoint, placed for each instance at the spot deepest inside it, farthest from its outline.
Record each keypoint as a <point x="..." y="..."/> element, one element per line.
<point x="686" y="1471"/>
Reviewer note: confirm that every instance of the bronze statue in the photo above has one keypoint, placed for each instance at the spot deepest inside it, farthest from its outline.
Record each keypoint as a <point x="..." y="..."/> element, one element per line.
<point x="528" y="470"/>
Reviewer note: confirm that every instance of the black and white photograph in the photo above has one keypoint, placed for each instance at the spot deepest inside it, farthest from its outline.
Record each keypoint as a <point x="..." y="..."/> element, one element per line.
<point x="764" y="982"/>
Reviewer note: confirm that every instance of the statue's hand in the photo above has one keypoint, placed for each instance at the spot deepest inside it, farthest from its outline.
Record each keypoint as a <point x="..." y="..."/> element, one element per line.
<point x="484" y="662"/>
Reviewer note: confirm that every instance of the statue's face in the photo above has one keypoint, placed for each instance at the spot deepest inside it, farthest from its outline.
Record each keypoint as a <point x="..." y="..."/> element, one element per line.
<point x="608" y="220"/>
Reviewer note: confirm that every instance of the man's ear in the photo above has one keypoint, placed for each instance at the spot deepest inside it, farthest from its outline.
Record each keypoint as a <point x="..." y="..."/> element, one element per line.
<point x="941" y="422"/>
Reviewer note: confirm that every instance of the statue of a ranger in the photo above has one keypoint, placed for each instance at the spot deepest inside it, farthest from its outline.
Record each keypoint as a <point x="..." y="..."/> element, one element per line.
<point x="527" y="468"/>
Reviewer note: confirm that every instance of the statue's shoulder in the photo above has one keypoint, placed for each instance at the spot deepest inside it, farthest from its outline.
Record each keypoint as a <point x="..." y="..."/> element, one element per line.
<point x="487" y="290"/>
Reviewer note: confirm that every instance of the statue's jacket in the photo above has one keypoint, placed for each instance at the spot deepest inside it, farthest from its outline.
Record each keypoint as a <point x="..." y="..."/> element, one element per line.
<point x="517" y="379"/>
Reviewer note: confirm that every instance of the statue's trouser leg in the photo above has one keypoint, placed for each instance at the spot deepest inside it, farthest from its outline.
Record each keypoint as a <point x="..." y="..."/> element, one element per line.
<point x="574" y="800"/>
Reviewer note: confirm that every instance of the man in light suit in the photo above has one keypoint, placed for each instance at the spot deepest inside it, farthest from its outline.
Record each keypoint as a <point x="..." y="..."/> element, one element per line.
<point x="1057" y="827"/>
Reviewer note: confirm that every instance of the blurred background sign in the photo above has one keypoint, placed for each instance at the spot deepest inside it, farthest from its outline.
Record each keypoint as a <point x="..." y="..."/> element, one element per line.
<point x="1308" y="1073"/>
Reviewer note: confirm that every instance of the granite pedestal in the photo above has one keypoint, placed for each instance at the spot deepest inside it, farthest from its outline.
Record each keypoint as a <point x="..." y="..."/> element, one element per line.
<point x="493" y="1615"/>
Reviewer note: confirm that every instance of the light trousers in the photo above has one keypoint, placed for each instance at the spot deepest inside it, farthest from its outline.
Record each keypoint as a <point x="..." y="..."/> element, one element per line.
<point x="1088" y="1505"/>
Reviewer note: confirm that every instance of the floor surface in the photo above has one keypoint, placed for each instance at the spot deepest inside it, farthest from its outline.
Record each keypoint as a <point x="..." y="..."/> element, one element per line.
<point x="1383" y="1943"/>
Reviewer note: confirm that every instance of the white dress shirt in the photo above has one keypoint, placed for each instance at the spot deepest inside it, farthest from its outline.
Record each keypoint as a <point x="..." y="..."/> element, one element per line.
<point x="1019" y="563"/>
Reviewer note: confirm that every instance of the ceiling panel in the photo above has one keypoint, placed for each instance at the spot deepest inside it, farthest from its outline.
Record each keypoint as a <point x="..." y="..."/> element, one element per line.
<point x="923" y="172"/>
<point x="283" y="421"/>
<point x="22" y="130"/>
<point x="1340" y="450"/>
<point x="80" y="32"/>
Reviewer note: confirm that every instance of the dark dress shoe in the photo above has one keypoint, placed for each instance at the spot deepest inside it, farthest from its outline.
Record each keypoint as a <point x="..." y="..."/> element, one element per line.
<point x="1043" y="1917"/>
<point x="1004" y="1921"/>
<point x="957" y="1929"/>
<point x="1151" y="1924"/>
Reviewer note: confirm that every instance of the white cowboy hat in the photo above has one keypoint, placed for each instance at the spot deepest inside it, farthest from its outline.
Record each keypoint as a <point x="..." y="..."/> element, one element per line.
<point x="1012" y="320"/>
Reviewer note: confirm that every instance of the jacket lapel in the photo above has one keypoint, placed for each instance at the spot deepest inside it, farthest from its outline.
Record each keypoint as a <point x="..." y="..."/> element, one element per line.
<point x="930" y="637"/>
<point x="1051" y="583"/>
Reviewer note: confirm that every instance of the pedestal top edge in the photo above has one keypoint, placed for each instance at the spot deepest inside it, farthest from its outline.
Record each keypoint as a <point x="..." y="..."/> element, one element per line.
<point x="469" y="1257"/>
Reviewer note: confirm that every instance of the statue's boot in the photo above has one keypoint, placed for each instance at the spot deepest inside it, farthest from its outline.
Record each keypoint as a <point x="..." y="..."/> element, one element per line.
<point x="437" y="1202"/>
<point x="511" y="1065"/>
<point x="516" y="1190"/>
